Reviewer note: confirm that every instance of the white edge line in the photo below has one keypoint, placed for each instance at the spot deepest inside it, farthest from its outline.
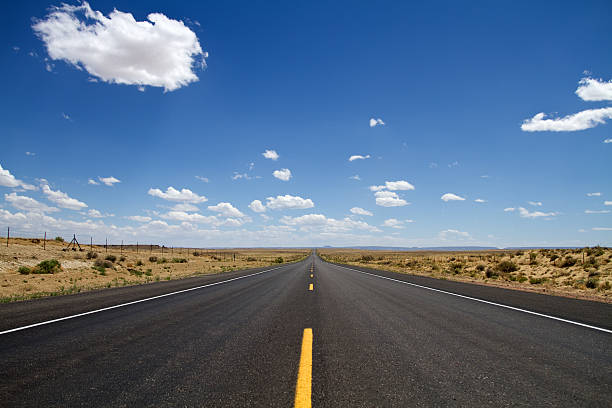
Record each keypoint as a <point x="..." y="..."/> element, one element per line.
<point x="482" y="301"/>
<point x="132" y="303"/>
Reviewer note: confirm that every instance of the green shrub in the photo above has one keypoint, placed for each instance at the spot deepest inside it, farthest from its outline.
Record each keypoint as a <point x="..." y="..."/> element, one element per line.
<point x="48" y="266"/>
<point x="162" y="261"/>
<point x="568" y="261"/>
<point x="59" y="239"/>
<point x="111" y="258"/>
<point x="91" y="255"/>
<point x="139" y="263"/>
<point x="135" y="272"/>
<point x="103" y="263"/>
<point x="24" y="270"/>
<point x="591" y="283"/>
<point x="179" y="260"/>
<point x="122" y="259"/>
<point x="536" y="281"/>
<point x="367" y="258"/>
<point x="279" y="260"/>
<point x="152" y="259"/>
<point x="480" y="267"/>
<point x="490" y="273"/>
<point x="522" y="278"/>
<point x="506" y="267"/>
<point x="251" y="259"/>
<point x="554" y="257"/>
<point x="456" y="267"/>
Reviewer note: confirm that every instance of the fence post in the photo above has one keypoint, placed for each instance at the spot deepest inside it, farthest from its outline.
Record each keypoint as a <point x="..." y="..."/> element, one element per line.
<point x="90" y="244"/>
<point x="45" y="241"/>
<point x="121" y="247"/>
<point x="136" y="246"/>
<point x="8" y="234"/>
<point x="106" y="245"/>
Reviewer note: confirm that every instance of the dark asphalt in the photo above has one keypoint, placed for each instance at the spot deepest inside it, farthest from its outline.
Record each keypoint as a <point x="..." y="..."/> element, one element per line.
<point x="376" y="343"/>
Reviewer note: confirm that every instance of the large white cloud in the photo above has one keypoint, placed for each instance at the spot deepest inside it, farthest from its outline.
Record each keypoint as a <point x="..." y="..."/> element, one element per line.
<point x="311" y="222"/>
<point x="282" y="174"/>
<point x="592" y="89"/>
<point x="226" y="209"/>
<point x="451" y="197"/>
<point x="578" y="121"/>
<point x="62" y="199"/>
<point x="189" y="217"/>
<point x="172" y="194"/>
<point x="270" y="154"/>
<point x="8" y="180"/>
<point x="360" y="211"/>
<point x="160" y="52"/>
<point x="389" y="199"/>
<point x="288" y="202"/>
<point x="27" y="203"/>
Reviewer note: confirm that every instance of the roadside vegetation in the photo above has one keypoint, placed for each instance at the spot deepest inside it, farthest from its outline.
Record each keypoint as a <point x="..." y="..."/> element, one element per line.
<point x="28" y="271"/>
<point x="581" y="272"/>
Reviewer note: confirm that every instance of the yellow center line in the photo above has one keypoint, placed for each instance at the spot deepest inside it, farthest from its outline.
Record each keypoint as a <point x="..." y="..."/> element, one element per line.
<point x="311" y="287"/>
<point x="311" y="275"/>
<point x="303" y="389"/>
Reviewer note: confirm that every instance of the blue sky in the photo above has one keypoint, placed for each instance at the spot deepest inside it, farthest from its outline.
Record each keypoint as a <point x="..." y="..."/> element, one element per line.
<point x="205" y="89"/>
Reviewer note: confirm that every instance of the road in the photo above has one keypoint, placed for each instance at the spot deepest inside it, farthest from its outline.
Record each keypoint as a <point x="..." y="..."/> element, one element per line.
<point x="375" y="342"/>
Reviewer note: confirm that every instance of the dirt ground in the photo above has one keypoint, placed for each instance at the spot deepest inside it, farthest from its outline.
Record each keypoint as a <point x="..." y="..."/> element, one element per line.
<point x="584" y="273"/>
<point x="96" y="267"/>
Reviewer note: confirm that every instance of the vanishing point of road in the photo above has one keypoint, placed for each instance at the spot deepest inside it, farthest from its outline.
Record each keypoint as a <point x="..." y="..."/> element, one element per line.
<point x="309" y="333"/>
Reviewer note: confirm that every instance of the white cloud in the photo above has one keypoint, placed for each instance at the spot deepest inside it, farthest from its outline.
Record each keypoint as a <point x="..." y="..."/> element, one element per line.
<point x="509" y="209"/>
<point x="257" y="206"/>
<point x="377" y="188"/>
<point x="358" y="157"/>
<point x="66" y="116"/>
<point x="62" y="199"/>
<point x="238" y="176"/>
<point x="184" y="195"/>
<point x="203" y="179"/>
<point x="602" y="228"/>
<point x="535" y="214"/>
<point x="311" y="222"/>
<point x="453" y="233"/>
<point x="8" y="180"/>
<point x="118" y="49"/>
<point x="453" y="164"/>
<point x="190" y="217"/>
<point x="607" y="202"/>
<point x="282" y="174"/>
<point x="226" y="209"/>
<point x="393" y="223"/>
<point x="535" y="203"/>
<point x="389" y="199"/>
<point x="95" y="213"/>
<point x="109" y="181"/>
<point x="355" y="177"/>
<point x="592" y="89"/>
<point x="92" y="182"/>
<point x="27" y="204"/>
<point x="270" y="154"/>
<point x="579" y="121"/>
<point x="596" y="211"/>
<point x="185" y="207"/>
<point x="376" y="122"/>
<point x="360" y="211"/>
<point x="597" y="194"/>
<point x="608" y="140"/>
<point x="398" y="185"/>
<point x="30" y="154"/>
<point x="288" y="202"/>
<point x="480" y="200"/>
<point x="138" y="218"/>
<point x="451" y="197"/>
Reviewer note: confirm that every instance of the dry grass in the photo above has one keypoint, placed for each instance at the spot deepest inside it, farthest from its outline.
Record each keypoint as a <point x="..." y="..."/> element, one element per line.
<point x="80" y="272"/>
<point x="582" y="273"/>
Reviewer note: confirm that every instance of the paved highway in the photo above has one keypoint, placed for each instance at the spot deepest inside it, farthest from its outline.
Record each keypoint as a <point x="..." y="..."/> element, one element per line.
<point x="303" y="333"/>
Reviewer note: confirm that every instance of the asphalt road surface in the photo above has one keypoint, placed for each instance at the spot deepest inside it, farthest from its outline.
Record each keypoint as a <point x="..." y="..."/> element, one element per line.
<point x="375" y="339"/>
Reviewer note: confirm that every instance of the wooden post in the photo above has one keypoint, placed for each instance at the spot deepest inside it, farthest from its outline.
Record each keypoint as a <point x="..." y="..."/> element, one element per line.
<point x="45" y="241"/>
<point x="90" y="244"/>
<point x="106" y="245"/>
<point x="8" y="234"/>
<point x="136" y="246"/>
<point x="121" y="247"/>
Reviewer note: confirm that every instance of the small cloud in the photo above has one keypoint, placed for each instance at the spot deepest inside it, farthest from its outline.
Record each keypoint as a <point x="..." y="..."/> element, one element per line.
<point x="355" y="177"/>
<point x="596" y="194"/>
<point x="585" y="119"/>
<point x="257" y="206"/>
<point x="30" y="154"/>
<point x="360" y="211"/>
<point x="185" y="207"/>
<point x="608" y="140"/>
<point x="15" y="48"/>
<point x="238" y="176"/>
<point x="536" y="214"/>
<point x="109" y="181"/>
<point x="171" y="194"/>
<point x="288" y="202"/>
<point x="398" y="185"/>
<point x="62" y="199"/>
<point x="282" y="174"/>
<point x="92" y="182"/>
<point x="270" y="154"/>
<point x="509" y="209"/>
<point x="203" y="179"/>
<point x="453" y="234"/>
<point x="389" y="199"/>
<point x="480" y="200"/>
<point x="607" y="202"/>
<point x="226" y="209"/>
<point x="535" y="203"/>
<point x="602" y="228"/>
<point x="138" y="218"/>
<point x="251" y="165"/>
<point x="393" y="223"/>
<point x="358" y="157"/>
<point x="596" y="211"/>
<point x="451" y="197"/>
<point x="433" y="165"/>
<point x="485" y="176"/>
<point x="592" y="89"/>
<point x="66" y="116"/>
<point x="453" y="164"/>
<point x="376" y="122"/>
<point x="95" y="213"/>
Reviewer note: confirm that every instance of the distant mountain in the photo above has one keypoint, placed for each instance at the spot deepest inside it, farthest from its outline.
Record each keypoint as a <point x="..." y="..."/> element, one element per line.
<point x="450" y="248"/>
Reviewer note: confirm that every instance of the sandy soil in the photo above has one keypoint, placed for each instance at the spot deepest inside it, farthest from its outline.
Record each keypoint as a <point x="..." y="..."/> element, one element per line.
<point x="584" y="273"/>
<point x="78" y="273"/>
